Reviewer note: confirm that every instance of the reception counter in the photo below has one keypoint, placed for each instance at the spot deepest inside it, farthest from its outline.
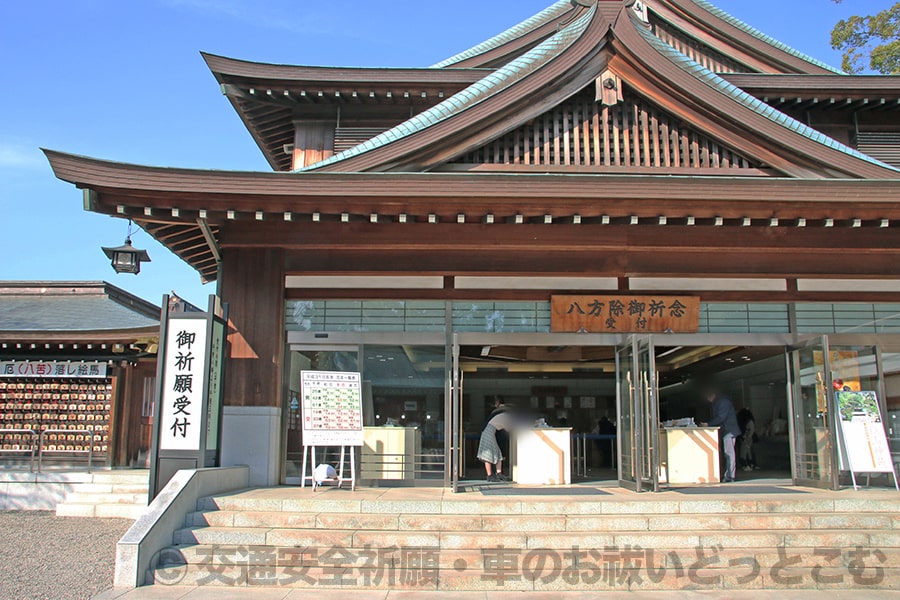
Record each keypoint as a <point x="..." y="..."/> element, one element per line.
<point x="541" y="456"/>
<point x="689" y="455"/>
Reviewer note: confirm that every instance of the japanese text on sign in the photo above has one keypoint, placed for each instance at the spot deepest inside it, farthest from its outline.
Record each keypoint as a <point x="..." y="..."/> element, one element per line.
<point x="625" y="314"/>
<point x="185" y="368"/>
<point x="332" y="408"/>
<point x="52" y="370"/>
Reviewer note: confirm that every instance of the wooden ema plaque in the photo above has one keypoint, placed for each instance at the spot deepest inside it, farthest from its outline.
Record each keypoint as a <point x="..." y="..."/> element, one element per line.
<point x="625" y="314"/>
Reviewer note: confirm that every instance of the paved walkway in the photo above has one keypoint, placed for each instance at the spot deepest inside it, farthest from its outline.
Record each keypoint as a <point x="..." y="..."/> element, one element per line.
<point x="220" y="593"/>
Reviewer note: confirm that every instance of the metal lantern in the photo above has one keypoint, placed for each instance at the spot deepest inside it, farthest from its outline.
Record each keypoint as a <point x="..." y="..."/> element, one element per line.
<point x="127" y="258"/>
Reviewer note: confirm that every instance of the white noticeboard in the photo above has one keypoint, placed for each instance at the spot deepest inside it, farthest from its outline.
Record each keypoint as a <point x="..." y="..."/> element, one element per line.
<point x="181" y="418"/>
<point x="332" y="408"/>
<point x="863" y="430"/>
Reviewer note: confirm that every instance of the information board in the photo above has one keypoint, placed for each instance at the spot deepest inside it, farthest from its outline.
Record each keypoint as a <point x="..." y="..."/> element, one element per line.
<point x="332" y="408"/>
<point x="864" y="437"/>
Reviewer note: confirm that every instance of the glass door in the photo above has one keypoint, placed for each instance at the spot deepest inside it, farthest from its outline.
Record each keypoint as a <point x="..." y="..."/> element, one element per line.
<point x="649" y="411"/>
<point x="454" y="385"/>
<point x="638" y="427"/>
<point x="812" y="437"/>
<point x="627" y="405"/>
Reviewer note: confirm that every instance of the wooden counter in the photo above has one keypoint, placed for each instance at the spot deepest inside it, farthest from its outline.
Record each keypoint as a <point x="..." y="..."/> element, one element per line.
<point x="689" y="455"/>
<point x="541" y="456"/>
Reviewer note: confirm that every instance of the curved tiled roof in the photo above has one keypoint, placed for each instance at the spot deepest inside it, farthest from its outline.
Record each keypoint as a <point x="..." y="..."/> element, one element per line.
<point x="762" y="36"/>
<point x="718" y="83"/>
<point x="475" y="93"/>
<point x="543" y="17"/>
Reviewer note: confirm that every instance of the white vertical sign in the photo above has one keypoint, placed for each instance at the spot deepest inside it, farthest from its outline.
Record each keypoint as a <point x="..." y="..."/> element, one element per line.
<point x="181" y="416"/>
<point x="864" y="435"/>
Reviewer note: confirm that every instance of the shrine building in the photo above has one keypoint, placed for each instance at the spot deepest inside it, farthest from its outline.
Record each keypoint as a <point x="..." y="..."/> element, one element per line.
<point x="585" y="217"/>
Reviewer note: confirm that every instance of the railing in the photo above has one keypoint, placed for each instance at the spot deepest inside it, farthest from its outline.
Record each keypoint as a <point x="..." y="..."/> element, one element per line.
<point x="34" y="446"/>
<point x="581" y="450"/>
<point x="90" y="451"/>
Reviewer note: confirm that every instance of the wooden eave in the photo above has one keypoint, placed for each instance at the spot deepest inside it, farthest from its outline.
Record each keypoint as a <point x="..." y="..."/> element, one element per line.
<point x="845" y="92"/>
<point x="118" y="336"/>
<point x="268" y="98"/>
<point x="259" y="201"/>
<point x="231" y="70"/>
<point x="743" y="46"/>
<point x="138" y="188"/>
<point x="650" y="73"/>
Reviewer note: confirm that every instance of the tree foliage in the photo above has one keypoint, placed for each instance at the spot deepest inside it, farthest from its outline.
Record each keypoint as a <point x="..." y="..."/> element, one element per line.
<point x="874" y="39"/>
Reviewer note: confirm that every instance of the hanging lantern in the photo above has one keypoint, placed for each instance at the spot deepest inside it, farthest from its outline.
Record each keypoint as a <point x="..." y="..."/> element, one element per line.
<point x="127" y="258"/>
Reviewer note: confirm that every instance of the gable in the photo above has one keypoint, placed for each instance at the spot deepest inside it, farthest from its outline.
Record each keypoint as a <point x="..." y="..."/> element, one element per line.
<point x="588" y="135"/>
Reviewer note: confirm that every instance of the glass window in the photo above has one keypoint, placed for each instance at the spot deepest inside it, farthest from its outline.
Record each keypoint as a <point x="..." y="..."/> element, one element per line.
<point x="404" y="413"/>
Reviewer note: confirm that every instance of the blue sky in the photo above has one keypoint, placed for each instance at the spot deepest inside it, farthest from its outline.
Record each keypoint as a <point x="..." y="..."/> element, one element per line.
<point x="123" y="80"/>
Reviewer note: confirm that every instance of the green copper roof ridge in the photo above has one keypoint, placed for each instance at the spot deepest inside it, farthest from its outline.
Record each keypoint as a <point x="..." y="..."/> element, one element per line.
<point x="546" y="15"/>
<point x="712" y="8"/>
<point x="720" y="84"/>
<point x="479" y="91"/>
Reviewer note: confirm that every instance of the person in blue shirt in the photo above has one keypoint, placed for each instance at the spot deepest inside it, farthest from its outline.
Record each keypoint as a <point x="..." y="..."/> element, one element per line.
<point x="725" y="418"/>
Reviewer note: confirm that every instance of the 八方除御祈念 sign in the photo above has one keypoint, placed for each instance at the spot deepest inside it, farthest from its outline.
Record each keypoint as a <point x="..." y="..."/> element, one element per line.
<point x="625" y="314"/>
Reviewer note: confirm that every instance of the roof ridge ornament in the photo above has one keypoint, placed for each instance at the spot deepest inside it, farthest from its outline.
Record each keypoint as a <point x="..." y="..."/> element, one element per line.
<point x="640" y="9"/>
<point x="584" y="3"/>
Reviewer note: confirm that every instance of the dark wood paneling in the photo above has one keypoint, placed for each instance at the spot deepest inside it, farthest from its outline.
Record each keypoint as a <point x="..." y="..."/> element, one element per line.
<point x="544" y="295"/>
<point x="252" y="285"/>
<point x="621" y="263"/>
<point x="525" y="238"/>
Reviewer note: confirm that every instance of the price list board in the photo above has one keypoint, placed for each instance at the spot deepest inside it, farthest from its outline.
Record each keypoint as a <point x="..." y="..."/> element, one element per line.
<point x="332" y="408"/>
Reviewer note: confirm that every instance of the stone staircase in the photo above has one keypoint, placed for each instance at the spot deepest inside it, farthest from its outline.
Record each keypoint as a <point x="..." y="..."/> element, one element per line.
<point x="618" y="541"/>
<point x="119" y="494"/>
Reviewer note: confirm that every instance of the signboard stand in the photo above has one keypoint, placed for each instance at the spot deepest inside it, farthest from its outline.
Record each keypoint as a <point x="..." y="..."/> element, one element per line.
<point x="188" y="399"/>
<point x="310" y="451"/>
<point x="332" y="418"/>
<point x="862" y="441"/>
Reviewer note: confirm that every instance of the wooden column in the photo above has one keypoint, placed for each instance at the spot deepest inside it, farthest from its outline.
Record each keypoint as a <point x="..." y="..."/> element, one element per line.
<point x="253" y="286"/>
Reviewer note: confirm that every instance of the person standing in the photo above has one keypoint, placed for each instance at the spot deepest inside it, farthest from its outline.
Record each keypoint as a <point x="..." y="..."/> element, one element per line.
<point x="748" y="434"/>
<point x="489" y="451"/>
<point x="725" y="418"/>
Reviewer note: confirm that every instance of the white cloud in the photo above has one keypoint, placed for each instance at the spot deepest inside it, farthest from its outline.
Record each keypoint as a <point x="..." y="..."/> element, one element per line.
<point x="20" y="156"/>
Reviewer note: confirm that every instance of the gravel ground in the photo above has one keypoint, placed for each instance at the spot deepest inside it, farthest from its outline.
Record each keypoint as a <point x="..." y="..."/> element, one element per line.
<point x="43" y="556"/>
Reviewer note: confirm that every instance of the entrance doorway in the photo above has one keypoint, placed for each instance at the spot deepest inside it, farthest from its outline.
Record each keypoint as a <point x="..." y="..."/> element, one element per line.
<point x="616" y="398"/>
<point x="564" y="386"/>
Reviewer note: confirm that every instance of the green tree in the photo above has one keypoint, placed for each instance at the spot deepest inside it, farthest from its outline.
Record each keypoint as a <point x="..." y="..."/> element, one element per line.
<point x="875" y="38"/>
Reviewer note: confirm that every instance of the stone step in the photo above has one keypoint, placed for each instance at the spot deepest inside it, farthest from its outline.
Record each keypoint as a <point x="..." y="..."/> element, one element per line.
<point x="463" y="540"/>
<point x="110" y="488"/>
<point x="77" y="497"/>
<point x="537" y="577"/>
<point x="123" y="477"/>
<point x="324" y="503"/>
<point x="520" y="523"/>
<point x="120" y="511"/>
<point x="467" y="559"/>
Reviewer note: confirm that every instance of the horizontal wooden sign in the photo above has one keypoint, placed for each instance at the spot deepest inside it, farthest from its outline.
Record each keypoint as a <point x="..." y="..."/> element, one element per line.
<point x="625" y="314"/>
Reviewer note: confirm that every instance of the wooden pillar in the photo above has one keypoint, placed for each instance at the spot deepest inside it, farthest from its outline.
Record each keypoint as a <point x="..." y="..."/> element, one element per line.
<point x="253" y="286"/>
